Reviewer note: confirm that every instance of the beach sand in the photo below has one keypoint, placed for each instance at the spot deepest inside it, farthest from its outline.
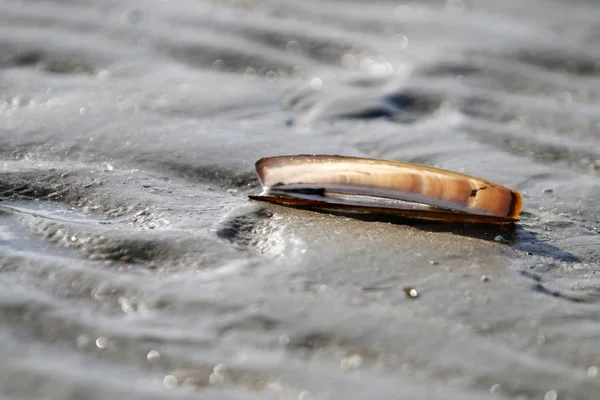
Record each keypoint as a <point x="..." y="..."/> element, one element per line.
<point x="133" y="264"/>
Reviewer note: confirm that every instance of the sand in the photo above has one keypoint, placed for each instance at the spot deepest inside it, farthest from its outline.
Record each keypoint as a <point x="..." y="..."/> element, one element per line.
<point x="133" y="264"/>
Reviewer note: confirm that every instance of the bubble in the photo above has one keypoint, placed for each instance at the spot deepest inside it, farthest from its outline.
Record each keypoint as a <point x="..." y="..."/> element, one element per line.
<point x="348" y="60"/>
<point x="305" y="395"/>
<point x="220" y="369"/>
<point x="250" y="73"/>
<point x="551" y="395"/>
<point x="402" y="10"/>
<point x="271" y="77"/>
<point x="218" y="65"/>
<point x="566" y="97"/>
<point x="592" y="371"/>
<point x="495" y="388"/>
<point x="401" y="41"/>
<point x="82" y="111"/>
<point x="284" y="340"/>
<point x="170" y="381"/>
<point x="293" y="47"/>
<point x="316" y="84"/>
<point x="377" y="69"/>
<point x="101" y="342"/>
<point x="153" y="355"/>
<point x="82" y="341"/>
<point x="541" y="339"/>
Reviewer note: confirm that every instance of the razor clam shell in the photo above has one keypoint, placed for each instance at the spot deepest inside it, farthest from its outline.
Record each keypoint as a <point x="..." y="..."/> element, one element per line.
<point x="447" y="191"/>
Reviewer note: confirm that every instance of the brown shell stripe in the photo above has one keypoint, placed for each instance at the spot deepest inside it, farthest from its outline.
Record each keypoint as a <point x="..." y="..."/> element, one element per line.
<point x="396" y="180"/>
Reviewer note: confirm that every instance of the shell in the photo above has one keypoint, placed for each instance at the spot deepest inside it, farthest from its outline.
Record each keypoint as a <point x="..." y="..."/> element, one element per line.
<point x="351" y="184"/>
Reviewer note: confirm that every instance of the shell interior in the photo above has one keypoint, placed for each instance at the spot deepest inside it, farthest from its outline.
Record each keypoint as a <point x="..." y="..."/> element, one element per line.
<point x="350" y="199"/>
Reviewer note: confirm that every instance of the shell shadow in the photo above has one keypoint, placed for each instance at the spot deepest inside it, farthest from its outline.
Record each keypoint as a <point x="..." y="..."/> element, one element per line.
<point x="511" y="235"/>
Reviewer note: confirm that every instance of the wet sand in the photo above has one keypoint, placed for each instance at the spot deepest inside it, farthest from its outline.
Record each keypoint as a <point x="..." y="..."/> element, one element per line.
<point x="133" y="264"/>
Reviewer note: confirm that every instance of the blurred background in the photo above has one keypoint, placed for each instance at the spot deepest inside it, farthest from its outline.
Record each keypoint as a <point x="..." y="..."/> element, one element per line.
<point x="133" y="265"/>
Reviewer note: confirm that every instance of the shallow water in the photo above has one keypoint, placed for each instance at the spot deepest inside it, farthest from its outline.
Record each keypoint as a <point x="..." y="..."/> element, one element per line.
<point x="134" y="266"/>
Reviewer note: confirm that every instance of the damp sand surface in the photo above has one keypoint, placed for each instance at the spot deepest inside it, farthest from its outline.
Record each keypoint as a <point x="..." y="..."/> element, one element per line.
<point x="133" y="265"/>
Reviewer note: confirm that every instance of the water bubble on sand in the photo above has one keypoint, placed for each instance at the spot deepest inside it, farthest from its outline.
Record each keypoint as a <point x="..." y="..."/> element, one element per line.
<point x="348" y="60"/>
<point x="170" y="381"/>
<point x="402" y="10"/>
<point x="284" y="340"/>
<point x="292" y="47"/>
<point x="101" y="342"/>
<point x="220" y="369"/>
<point x="271" y="77"/>
<point x="305" y="395"/>
<point x="377" y="69"/>
<point x="249" y="73"/>
<point x="218" y="65"/>
<point x="82" y="341"/>
<point x="551" y="395"/>
<point x="401" y="41"/>
<point x="541" y="339"/>
<point x="153" y="355"/>
<point x="316" y="84"/>
<point x="566" y="97"/>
